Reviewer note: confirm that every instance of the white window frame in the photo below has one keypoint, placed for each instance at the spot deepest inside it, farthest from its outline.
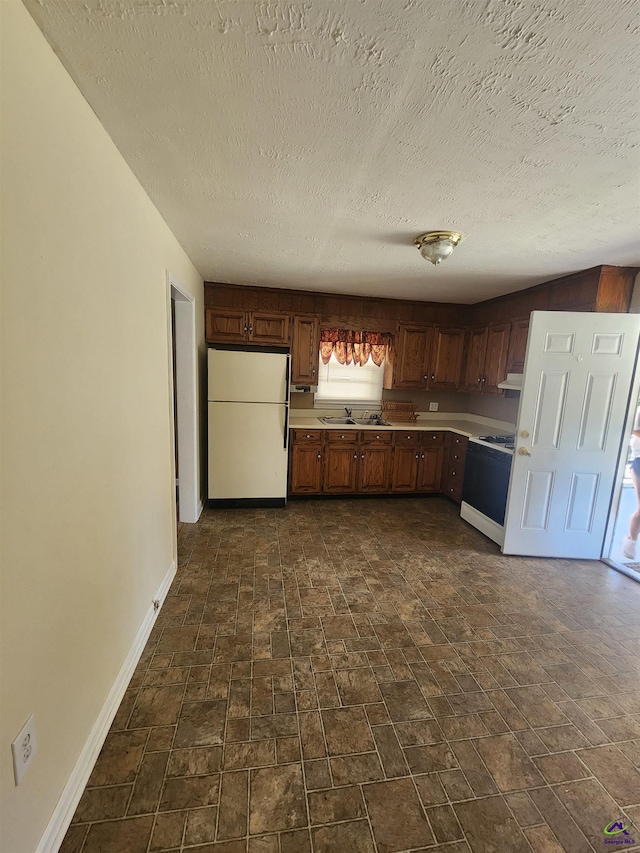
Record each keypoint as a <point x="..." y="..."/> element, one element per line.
<point x="339" y="402"/>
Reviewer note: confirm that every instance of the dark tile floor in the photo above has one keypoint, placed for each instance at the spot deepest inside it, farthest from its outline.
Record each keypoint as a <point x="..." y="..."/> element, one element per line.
<point x="356" y="676"/>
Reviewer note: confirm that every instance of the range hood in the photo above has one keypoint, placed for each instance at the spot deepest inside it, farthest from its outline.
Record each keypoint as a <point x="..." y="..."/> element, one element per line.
<point x="513" y="382"/>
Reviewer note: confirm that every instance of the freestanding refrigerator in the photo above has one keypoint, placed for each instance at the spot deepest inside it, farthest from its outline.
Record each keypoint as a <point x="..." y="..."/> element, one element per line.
<point x="248" y="412"/>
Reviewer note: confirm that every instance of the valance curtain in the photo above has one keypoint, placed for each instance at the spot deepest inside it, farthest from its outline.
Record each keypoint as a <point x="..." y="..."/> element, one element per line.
<point x="350" y="346"/>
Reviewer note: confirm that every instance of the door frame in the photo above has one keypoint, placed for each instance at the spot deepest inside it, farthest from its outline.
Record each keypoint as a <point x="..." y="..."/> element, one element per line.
<point x="186" y="398"/>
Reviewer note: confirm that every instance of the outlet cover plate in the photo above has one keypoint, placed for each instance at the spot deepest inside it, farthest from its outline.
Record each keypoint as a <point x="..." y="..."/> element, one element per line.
<point x="433" y="407"/>
<point x="23" y="749"/>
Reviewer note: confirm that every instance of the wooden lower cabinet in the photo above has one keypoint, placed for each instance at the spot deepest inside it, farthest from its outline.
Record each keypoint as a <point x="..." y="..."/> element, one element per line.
<point x="328" y="462"/>
<point x="340" y="469"/>
<point x="430" y="469"/>
<point x="374" y="469"/>
<point x="305" y="468"/>
<point x="404" y="476"/>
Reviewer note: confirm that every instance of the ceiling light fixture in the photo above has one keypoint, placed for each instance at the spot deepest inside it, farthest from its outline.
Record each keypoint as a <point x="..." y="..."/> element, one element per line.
<point x="435" y="246"/>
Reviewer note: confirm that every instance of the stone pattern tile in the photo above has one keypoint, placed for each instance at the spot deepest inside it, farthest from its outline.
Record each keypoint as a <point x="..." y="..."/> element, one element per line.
<point x="372" y="676"/>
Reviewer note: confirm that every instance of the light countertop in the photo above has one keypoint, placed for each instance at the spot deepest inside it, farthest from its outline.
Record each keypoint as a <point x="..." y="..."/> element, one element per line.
<point x="461" y="425"/>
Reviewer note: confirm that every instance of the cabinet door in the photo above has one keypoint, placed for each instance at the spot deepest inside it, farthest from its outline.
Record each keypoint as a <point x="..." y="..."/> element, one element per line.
<point x="225" y="326"/>
<point x="339" y="469"/>
<point x="446" y="359"/>
<point x="374" y="469"/>
<point x="305" y="351"/>
<point x="305" y="469"/>
<point x="517" y="345"/>
<point x="495" y="366"/>
<point x="474" y="363"/>
<point x="430" y="469"/>
<point x="405" y="469"/>
<point x="267" y="328"/>
<point x="413" y="348"/>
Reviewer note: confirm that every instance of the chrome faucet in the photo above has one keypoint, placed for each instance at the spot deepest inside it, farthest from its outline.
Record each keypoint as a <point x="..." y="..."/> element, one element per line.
<point x="348" y="411"/>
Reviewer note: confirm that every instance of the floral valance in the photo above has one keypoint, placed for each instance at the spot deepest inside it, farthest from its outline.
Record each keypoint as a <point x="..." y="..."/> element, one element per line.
<point x="350" y="346"/>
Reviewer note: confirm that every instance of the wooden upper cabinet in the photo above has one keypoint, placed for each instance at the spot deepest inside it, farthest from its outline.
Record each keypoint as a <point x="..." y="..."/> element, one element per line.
<point x="409" y="360"/>
<point x="495" y="364"/>
<point x="267" y="328"/>
<point x="447" y="352"/>
<point x="235" y="326"/>
<point x="486" y="361"/>
<point x="305" y="350"/>
<point x="517" y="345"/>
<point x="225" y="325"/>
<point x="475" y="356"/>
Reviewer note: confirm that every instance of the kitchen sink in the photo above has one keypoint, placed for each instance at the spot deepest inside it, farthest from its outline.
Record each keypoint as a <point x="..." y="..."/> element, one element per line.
<point x="371" y="422"/>
<point x="337" y="421"/>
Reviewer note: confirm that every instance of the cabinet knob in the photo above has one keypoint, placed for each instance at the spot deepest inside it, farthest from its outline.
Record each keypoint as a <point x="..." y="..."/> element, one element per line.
<point x="250" y="328"/>
<point x="313" y="371"/>
<point x="425" y="377"/>
<point x="418" y="457"/>
<point x="479" y="378"/>
<point x="453" y="473"/>
<point x="484" y="379"/>
<point x="452" y="490"/>
<point x="343" y="436"/>
<point x="244" y="328"/>
<point x="409" y="437"/>
<point x="433" y="376"/>
<point x="422" y="457"/>
<point x="362" y="456"/>
<point x="319" y="456"/>
<point x="355" y="455"/>
<point x="307" y="436"/>
<point x="377" y="436"/>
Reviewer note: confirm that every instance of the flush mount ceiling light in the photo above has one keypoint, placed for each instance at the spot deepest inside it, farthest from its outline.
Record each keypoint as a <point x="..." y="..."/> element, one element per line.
<point x="435" y="246"/>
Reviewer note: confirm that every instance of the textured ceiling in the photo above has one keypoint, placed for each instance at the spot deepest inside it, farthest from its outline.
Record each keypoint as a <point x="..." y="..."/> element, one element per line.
<point x="306" y="144"/>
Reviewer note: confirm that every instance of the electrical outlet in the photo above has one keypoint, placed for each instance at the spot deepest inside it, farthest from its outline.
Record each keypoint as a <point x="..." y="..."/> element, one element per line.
<point x="24" y="749"/>
<point x="433" y="407"/>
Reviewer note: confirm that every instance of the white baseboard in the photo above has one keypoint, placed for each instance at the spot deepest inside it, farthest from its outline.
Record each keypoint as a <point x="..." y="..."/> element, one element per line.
<point x="63" y="813"/>
<point x="200" y="507"/>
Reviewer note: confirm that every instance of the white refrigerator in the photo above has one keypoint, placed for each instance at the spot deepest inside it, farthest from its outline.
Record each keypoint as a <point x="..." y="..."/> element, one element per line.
<point x="248" y="412"/>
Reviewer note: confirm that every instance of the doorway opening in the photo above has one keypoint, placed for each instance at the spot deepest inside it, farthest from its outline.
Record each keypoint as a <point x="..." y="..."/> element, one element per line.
<point x="181" y="305"/>
<point x="621" y="551"/>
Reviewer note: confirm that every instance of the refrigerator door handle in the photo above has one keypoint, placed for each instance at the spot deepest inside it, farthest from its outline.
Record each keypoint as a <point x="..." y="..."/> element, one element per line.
<point x="286" y="426"/>
<point x="287" y="380"/>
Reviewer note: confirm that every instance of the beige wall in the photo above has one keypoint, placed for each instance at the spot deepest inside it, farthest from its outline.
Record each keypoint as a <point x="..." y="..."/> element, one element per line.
<point x="87" y="507"/>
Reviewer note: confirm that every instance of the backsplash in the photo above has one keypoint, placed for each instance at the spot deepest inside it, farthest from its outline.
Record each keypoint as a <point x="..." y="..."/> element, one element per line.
<point x="448" y="401"/>
<point x="487" y="406"/>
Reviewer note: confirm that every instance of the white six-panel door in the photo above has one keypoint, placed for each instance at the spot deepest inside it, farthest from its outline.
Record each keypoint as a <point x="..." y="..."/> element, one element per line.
<point x="571" y="426"/>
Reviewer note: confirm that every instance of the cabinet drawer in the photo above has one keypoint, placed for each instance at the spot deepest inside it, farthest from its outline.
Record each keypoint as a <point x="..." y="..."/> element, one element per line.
<point x="454" y="492"/>
<point x="370" y="437"/>
<point x="406" y="439"/>
<point x="460" y="441"/>
<point x="306" y="436"/>
<point x="433" y="439"/>
<point x="338" y="436"/>
<point x="455" y="475"/>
